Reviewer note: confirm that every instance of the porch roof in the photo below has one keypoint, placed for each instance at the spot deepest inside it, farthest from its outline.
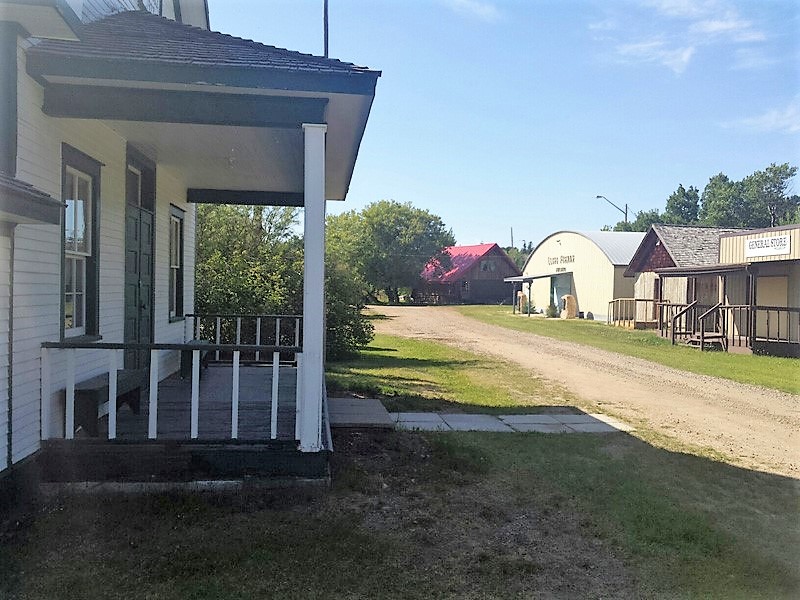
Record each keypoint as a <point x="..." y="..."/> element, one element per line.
<point x="715" y="269"/>
<point x="225" y="111"/>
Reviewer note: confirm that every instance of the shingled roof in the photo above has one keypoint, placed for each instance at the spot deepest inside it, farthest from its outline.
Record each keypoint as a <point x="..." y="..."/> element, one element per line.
<point x="139" y="37"/>
<point x="686" y="245"/>
<point x="692" y="246"/>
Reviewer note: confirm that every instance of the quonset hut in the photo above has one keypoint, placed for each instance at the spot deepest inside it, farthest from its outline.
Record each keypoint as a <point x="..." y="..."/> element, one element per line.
<point x="588" y="265"/>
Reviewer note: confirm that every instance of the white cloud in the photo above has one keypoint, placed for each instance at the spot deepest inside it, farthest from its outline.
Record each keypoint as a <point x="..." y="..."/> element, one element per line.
<point x="779" y="120"/>
<point x="683" y="8"/>
<point x="604" y="25"/>
<point x="746" y="59"/>
<point x="679" y="30"/>
<point x="730" y="25"/>
<point x="657" y="51"/>
<point x="485" y="11"/>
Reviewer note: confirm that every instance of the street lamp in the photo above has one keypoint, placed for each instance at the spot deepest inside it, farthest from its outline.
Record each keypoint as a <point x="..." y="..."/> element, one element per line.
<point x="624" y="212"/>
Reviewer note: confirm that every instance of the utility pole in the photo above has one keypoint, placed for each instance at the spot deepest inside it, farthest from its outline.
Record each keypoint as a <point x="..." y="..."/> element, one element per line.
<point x="325" y="26"/>
<point x="512" y="237"/>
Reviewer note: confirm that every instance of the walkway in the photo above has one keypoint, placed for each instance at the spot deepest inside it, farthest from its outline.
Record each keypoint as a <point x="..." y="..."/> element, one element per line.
<point x="368" y="412"/>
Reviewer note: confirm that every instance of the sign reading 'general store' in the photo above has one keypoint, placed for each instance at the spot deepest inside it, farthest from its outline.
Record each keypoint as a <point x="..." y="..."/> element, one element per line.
<point x="774" y="245"/>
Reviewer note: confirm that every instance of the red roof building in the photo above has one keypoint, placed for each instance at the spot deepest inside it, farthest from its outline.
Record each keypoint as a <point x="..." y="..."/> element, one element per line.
<point x="475" y="275"/>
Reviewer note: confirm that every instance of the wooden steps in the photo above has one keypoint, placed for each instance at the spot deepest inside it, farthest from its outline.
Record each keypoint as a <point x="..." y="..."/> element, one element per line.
<point x="712" y="340"/>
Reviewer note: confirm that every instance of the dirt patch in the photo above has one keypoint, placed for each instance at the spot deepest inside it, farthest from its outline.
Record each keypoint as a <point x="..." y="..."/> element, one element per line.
<point x="473" y="529"/>
<point x="752" y="426"/>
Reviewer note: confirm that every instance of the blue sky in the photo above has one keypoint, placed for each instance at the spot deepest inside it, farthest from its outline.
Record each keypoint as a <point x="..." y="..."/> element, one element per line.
<point x="501" y="114"/>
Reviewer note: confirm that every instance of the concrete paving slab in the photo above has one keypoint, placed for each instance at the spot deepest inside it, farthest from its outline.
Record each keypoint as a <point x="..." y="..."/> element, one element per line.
<point x="541" y="427"/>
<point x="514" y="420"/>
<point x="423" y="426"/>
<point x="621" y="425"/>
<point x="475" y="423"/>
<point x="419" y="417"/>
<point x="356" y="412"/>
<point x="578" y="419"/>
<point x="593" y="427"/>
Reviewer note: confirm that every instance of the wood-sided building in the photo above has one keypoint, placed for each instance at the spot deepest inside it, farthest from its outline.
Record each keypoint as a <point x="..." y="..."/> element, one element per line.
<point x="475" y="276"/>
<point x="118" y="117"/>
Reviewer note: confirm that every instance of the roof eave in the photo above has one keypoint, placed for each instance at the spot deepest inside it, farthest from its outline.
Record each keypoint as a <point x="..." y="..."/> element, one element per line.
<point x="41" y="65"/>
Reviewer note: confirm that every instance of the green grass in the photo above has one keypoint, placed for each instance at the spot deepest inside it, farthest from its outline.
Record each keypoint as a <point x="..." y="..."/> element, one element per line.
<point x="419" y="375"/>
<point x="768" y="371"/>
<point x="455" y="515"/>
<point x="690" y="526"/>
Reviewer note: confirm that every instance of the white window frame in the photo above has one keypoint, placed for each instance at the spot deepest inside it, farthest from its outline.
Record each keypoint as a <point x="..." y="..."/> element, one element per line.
<point x="76" y="257"/>
<point x="175" y="266"/>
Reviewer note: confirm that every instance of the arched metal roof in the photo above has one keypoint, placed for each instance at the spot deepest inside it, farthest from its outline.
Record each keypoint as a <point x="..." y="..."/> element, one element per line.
<point x="618" y="246"/>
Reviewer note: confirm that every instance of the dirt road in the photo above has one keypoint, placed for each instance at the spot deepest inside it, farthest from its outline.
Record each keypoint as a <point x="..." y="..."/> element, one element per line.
<point x="756" y="427"/>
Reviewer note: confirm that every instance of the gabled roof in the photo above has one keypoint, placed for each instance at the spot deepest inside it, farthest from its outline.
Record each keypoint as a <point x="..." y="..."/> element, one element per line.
<point x="463" y="258"/>
<point x="140" y="39"/>
<point x="687" y="245"/>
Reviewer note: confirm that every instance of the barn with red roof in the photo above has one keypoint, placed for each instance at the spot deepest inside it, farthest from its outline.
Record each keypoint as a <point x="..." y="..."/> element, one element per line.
<point x="475" y="275"/>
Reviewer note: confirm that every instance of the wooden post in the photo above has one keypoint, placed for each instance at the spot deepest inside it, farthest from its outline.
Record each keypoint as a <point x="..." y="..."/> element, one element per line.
<point x="530" y="297"/>
<point x="195" y="416"/>
<point x="112" y="394"/>
<point x="152" y="421"/>
<point x="45" y="395"/>
<point x="313" y="288"/>
<point x="69" y="416"/>
<point x="276" y="371"/>
<point x="235" y="396"/>
<point x="258" y="338"/>
<point x="218" y="335"/>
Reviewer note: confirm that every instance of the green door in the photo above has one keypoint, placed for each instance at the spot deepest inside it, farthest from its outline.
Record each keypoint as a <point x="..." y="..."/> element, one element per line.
<point x="138" y="273"/>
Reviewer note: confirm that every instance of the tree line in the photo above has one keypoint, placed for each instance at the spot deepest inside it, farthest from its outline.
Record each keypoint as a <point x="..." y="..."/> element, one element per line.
<point x="250" y="261"/>
<point x="761" y="199"/>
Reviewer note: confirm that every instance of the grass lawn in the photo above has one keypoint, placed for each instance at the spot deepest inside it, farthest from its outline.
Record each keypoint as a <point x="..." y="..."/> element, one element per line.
<point x="768" y="371"/>
<point x="455" y="515"/>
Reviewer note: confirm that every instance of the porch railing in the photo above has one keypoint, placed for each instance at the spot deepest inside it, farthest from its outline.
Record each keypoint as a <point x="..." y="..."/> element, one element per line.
<point x="627" y="312"/>
<point x="713" y="327"/>
<point x="776" y="324"/>
<point x="237" y="329"/>
<point x="113" y="365"/>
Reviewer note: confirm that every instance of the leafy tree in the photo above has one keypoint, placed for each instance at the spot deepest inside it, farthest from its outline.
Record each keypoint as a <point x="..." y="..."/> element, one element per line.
<point x="389" y="243"/>
<point x="759" y="200"/>
<point x="682" y="206"/>
<point x="641" y="222"/>
<point x="518" y="256"/>
<point x="766" y="191"/>
<point x="250" y="260"/>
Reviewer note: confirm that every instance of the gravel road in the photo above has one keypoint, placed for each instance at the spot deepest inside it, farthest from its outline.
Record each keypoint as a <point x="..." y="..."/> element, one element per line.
<point x="756" y="427"/>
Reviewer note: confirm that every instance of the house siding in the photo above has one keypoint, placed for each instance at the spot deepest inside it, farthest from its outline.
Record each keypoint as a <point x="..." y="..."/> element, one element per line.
<point x="92" y="10"/>
<point x="37" y="262"/>
<point x="5" y="280"/>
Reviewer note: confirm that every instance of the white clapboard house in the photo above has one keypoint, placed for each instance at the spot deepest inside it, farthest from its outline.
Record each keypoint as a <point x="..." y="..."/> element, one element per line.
<point x="117" y="118"/>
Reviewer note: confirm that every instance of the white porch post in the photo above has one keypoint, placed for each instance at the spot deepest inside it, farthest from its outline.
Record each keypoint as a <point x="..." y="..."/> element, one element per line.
<point x="310" y="413"/>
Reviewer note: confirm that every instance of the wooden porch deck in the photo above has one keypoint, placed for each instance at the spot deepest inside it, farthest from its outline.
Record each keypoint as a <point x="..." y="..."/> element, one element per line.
<point x="214" y="423"/>
<point x="174" y="456"/>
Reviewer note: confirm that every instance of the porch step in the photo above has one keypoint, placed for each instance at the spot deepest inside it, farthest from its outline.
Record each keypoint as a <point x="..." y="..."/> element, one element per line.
<point x="711" y="339"/>
<point x="103" y="460"/>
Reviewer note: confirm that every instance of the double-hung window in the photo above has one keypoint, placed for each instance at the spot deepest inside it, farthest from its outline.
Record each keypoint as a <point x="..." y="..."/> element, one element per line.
<point x="175" y="263"/>
<point x="79" y="193"/>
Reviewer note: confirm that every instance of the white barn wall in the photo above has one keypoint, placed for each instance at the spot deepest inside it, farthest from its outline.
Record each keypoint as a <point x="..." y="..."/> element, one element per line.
<point x="37" y="285"/>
